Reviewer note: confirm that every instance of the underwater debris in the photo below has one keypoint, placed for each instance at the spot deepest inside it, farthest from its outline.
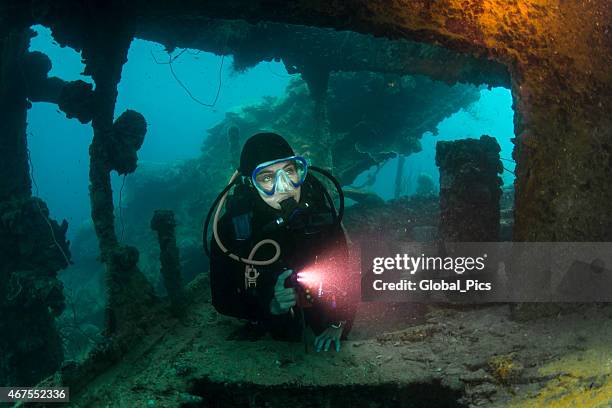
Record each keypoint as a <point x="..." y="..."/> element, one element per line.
<point x="397" y="218"/>
<point x="560" y="90"/>
<point x="33" y="247"/>
<point x="113" y="147"/>
<point x="389" y="121"/>
<point x="31" y="295"/>
<point x="75" y="100"/>
<point x="470" y="189"/>
<point x="399" y="176"/>
<point x="412" y="334"/>
<point x="300" y="47"/>
<point x="127" y="136"/>
<point x="171" y="59"/>
<point x="364" y="197"/>
<point x="505" y="369"/>
<point x="163" y="223"/>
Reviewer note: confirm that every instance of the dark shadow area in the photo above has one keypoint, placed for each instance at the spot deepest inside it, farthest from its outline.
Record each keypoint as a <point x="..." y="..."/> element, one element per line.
<point x="243" y="395"/>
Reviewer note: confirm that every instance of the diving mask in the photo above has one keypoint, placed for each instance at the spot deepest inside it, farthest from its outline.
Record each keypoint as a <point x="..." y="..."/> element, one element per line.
<point x="281" y="175"/>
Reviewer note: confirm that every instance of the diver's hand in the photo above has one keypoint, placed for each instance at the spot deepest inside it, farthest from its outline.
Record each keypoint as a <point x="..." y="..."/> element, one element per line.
<point x="329" y="336"/>
<point x="284" y="298"/>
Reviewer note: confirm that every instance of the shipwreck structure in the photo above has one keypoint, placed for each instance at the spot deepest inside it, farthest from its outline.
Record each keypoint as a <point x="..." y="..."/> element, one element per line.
<point x="555" y="57"/>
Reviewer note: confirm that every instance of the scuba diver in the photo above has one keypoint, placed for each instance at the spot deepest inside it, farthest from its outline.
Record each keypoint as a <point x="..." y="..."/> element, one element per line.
<point x="279" y="256"/>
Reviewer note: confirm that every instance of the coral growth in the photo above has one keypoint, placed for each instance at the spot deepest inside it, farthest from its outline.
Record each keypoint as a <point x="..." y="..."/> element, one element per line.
<point x="505" y="369"/>
<point x="33" y="249"/>
<point x="126" y="139"/>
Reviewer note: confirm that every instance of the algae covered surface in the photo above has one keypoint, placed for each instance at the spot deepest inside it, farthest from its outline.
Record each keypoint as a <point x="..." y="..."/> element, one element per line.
<point x="582" y="379"/>
<point x="446" y="357"/>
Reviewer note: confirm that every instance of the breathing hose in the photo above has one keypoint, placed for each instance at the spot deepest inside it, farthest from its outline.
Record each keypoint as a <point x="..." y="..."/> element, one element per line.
<point x="218" y="205"/>
<point x="249" y="261"/>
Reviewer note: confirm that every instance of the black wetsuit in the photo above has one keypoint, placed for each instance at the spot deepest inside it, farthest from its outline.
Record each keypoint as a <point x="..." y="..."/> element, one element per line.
<point x="314" y="238"/>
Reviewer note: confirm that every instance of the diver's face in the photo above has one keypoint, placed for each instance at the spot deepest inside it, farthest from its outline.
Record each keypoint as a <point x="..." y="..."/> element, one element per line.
<point x="281" y="174"/>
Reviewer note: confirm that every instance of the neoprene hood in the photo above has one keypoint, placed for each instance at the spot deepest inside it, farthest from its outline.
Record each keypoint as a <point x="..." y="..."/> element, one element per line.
<point x="260" y="148"/>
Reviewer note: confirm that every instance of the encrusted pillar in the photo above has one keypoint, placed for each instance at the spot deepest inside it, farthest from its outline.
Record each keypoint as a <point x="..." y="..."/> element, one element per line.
<point x="470" y="189"/>
<point x="114" y="146"/>
<point x="563" y="154"/>
<point x="33" y="247"/>
<point x="14" y="167"/>
<point x="164" y="224"/>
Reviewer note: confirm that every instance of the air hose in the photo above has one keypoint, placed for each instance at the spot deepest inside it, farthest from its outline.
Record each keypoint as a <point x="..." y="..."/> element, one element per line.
<point x="220" y="200"/>
<point x="218" y="204"/>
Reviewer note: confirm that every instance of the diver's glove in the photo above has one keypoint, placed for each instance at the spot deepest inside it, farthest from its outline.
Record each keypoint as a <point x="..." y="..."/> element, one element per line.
<point x="284" y="298"/>
<point x="331" y="335"/>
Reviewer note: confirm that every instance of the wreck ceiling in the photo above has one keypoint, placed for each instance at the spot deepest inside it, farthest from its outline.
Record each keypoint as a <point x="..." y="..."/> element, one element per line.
<point x="558" y="54"/>
<point x="301" y="48"/>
